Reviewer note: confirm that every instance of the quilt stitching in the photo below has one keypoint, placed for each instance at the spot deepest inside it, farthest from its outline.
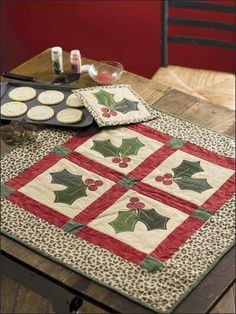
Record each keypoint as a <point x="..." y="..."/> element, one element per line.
<point x="161" y="291"/>
<point x="133" y="214"/>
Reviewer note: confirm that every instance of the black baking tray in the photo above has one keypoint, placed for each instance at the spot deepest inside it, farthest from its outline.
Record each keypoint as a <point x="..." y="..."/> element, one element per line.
<point x="7" y="86"/>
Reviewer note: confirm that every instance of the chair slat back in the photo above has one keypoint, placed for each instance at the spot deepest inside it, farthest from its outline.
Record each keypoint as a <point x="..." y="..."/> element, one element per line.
<point x="195" y="22"/>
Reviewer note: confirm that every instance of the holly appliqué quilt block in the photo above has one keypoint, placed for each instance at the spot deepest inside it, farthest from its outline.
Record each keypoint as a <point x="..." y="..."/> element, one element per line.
<point x="115" y="105"/>
<point x="133" y="191"/>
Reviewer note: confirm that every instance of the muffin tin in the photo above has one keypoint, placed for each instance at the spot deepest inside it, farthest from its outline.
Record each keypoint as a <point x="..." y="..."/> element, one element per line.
<point x="7" y="86"/>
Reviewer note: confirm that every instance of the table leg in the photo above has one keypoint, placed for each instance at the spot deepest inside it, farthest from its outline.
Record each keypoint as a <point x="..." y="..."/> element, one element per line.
<point x="64" y="302"/>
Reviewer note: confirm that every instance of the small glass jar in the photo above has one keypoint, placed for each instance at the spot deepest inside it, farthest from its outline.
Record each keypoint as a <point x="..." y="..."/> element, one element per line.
<point x="75" y="61"/>
<point x="57" y="61"/>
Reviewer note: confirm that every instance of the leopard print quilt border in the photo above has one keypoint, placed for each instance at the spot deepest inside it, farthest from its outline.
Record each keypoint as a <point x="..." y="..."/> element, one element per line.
<point x="161" y="291"/>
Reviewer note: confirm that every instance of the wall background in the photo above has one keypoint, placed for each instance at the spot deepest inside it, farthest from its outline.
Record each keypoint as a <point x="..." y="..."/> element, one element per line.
<point x="123" y="30"/>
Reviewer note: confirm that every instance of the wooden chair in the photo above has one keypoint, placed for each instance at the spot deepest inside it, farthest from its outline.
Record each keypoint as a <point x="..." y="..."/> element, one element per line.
<point x="213" y="86"/>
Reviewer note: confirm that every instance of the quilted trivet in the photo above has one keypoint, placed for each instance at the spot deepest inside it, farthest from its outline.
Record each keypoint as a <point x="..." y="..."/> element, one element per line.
<point x="115" y="105"/>
<point x="146" y="209"/>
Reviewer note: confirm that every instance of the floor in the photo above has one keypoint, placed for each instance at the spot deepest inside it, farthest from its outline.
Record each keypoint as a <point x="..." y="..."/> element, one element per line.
<point x="17" y="299"/>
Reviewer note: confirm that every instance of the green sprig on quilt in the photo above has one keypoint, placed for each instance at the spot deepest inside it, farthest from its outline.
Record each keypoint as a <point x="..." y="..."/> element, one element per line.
<point x="128" y="147"/>
<point x="183" y="177"/>
<point x="107" y="99"/>
<point x="127" y="219"/>
<point x="106" y="148"/>
<point x="75" y="187"/>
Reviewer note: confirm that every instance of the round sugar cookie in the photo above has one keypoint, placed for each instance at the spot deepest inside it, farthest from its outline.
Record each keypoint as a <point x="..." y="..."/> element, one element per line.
<point x="22" y="93"/>
<point x="13" y="109"/>
<point x="40" y="113"/>
<point x="69" y="116"/>
<point x="50" y="97"/>
<point x="74" y="101"/>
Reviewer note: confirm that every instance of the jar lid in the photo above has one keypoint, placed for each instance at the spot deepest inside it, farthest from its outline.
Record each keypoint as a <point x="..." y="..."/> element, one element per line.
<point x="75" y="53"/>
<point x="56" y="50"/>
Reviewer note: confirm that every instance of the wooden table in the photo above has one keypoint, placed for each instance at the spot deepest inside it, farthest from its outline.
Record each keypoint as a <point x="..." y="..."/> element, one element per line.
<point x="61" y="285"/>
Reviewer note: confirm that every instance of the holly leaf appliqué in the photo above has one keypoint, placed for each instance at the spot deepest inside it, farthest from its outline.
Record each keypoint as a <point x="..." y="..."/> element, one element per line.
<point x="187" y="169"/>
<point x="105" y="98"/>
<point x="125" y="106"/>
<point x="125" y="221"/>
<point x="196" y="185"/>
<point x="183" y="177"/>
<point x="106" y="148"/>
<point x="75" y="187"/>
<point x="130" y="146"/>
<point x="152" y="219"/>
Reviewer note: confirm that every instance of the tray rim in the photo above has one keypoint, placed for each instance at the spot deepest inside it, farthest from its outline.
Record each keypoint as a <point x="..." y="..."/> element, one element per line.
<point x="13" y="82"/>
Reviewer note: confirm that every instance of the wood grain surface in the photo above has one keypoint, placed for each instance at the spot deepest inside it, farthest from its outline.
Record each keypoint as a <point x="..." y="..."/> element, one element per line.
<point x="213" y="86"/>
<point x="209" y="292"/>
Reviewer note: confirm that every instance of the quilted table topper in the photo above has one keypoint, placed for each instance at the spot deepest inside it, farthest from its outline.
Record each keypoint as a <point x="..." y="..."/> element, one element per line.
<point x="115" y="105"/>
<point x="132" y="207"/>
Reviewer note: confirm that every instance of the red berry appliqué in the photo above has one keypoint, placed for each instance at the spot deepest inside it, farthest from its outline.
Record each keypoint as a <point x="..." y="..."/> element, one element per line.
<point x="134" y="200"/>
<point x="107" y="113"/>
<point x="104" y="109"/>
<point x="92" y="187"/>
<point x="113" y="113"/>
<point x="93" y="184"/>
<point x="98" y="183"/>
<point x="165" y="179"/>
<point x="126" y="159"/>
<point x="159" y="178"/>
<point x="135" y="203"/>
<point x="130" y="206"/>
<point x="167" y="182"/>
<point x="89" y="181"/>
<point x="123" y="165"/>
<point x="122" y="161"/>
<point x="140" y="205"/>
<point x="168" y="176"/>
<point x="116" y="160"/>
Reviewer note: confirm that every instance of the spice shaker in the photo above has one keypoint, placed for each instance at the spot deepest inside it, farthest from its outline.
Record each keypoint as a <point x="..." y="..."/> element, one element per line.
<point x="57" y="62"/>
<point x="75" y="61"/>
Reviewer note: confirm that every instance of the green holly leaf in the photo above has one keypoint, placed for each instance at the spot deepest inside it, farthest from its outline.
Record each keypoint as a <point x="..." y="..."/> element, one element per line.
<point x="125" y="106"/>
<point x="125" y="221"/>
<point x="75" y="187"/>
<point x="130" y="146"/>
<point x="196" y="185"/>
<point x="70" y="195"/>
<point x="66" y="178"/>
<point x="152" y="219"/>
<point x="106" y="148"/>
<point x="183" y="177"/>
<point x="105" y="98"/>
<point x="187" y="169"/>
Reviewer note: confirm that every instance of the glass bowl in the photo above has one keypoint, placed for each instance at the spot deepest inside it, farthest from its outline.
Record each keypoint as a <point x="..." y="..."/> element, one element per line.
<point x="106" y="72"/>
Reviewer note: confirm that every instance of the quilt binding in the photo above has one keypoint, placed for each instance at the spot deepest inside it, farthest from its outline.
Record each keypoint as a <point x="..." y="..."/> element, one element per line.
<point x="216" y="260"/>
<point x="9" y="235"/>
